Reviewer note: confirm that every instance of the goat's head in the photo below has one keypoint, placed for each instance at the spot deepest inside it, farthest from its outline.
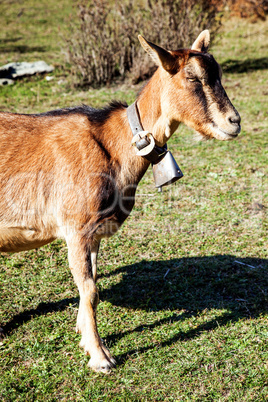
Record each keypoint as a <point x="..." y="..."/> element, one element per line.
<point x="191" y="89"/>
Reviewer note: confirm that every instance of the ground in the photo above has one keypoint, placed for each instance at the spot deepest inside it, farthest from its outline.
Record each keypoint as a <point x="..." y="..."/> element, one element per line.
<point x="183" y="285"/>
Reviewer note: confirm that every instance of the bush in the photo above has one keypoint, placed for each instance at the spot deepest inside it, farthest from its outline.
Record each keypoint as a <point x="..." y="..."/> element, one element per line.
<point x="103" y="45"/>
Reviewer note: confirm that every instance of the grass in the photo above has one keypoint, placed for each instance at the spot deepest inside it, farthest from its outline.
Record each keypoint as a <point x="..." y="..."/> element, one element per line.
<point x="183" y="285"/>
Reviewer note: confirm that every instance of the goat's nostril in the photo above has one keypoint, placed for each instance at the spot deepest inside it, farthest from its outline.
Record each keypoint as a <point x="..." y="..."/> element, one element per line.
<point x="235" y="119"/>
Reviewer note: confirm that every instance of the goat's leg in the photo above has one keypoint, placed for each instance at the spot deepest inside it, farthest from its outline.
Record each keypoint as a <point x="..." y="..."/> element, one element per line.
<point x="94" y="249"/>
<point x="80" y="265"/>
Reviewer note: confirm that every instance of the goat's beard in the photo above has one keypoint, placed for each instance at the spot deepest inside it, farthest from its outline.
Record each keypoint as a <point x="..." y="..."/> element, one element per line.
<point x="198" y="137"/>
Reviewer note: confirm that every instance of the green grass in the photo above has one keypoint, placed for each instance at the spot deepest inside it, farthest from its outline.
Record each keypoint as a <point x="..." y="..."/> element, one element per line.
<point x="183" y="285"/>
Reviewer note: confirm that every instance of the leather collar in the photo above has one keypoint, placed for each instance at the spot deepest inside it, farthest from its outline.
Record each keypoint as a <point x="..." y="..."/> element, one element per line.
<point x="157" y="153"/>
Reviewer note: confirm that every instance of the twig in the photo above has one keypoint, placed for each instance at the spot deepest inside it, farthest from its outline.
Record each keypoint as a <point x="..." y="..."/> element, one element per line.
<point x="247" y="265"/>
<point x="166" y="273"/>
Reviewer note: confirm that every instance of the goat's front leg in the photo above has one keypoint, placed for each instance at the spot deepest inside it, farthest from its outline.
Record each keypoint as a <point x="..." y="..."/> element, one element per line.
<point x="80" y="264"/>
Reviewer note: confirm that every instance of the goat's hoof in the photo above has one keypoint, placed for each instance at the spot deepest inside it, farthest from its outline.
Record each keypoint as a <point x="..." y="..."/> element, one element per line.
<point x="112" y="361"/>
<point x="108" y="354"/>
<point x="103" y="366"/>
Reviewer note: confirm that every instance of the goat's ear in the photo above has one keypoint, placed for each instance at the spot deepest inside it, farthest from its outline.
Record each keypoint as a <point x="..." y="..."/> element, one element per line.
<point x="202" y="42"/>
<point x="160" y="56"/>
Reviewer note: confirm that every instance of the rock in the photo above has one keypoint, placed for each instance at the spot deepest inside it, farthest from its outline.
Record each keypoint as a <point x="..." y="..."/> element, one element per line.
<point x="17" y="70"/>
<point x="6" y="81"/>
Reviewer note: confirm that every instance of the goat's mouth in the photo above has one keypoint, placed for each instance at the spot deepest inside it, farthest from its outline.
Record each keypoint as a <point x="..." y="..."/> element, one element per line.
<point x="225" y="135"/>
<point x="211" y="130"/>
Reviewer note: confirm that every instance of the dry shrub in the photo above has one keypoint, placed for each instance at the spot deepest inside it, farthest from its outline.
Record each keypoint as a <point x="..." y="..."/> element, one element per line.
<point x="174" y="24"/>
<point x="103" y="46"/>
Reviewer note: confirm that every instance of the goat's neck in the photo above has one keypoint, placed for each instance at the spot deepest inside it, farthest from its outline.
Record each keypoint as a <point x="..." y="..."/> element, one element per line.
<point x="153" y="117"/>
<point x="153" y="113"/>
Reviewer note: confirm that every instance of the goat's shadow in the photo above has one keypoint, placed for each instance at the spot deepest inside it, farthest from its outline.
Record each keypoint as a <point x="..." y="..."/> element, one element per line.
<point x="235" y="285"/>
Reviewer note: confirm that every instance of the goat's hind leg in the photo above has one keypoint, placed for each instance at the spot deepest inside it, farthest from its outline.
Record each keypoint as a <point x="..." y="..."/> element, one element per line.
<point x="80" y="264"/>
<point x="94" y="249"/>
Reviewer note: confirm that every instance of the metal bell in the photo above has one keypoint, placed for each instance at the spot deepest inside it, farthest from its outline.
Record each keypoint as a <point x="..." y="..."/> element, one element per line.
<point x="166" y="171"/>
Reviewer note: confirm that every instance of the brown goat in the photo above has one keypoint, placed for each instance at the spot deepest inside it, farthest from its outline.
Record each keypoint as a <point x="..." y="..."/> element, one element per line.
<point x="72" y="173"/>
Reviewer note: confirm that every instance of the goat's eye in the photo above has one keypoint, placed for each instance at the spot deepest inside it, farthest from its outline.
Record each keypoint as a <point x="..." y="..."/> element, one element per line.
<point x="193" y="79"/>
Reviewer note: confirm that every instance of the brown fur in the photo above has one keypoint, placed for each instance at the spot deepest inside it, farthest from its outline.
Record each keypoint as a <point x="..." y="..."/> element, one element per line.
<point x="73" y="173"/>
